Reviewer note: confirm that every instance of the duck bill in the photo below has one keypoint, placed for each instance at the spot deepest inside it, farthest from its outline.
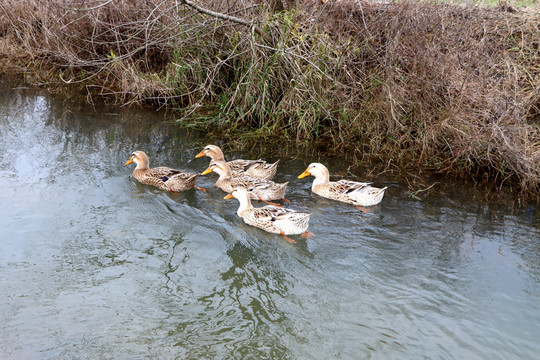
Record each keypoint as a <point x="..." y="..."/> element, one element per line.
<point x="130" y="161"/>
<point x="228" y="196"/>
<point x="207" y="171"/>
<point x="201" y="154"/>
<point x="304" y="174"/>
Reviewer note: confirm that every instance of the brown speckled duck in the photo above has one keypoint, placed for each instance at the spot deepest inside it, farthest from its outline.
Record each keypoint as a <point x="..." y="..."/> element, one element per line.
<point x="273" y="219"/>
<point x="256" y="168"/>
<point x="352" y="192"/>
<point x="162" y="177"/>
<point x="258" y="189"/>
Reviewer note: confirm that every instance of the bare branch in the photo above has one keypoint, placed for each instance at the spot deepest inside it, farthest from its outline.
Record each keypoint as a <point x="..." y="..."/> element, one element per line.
<point x="226" y="17"/>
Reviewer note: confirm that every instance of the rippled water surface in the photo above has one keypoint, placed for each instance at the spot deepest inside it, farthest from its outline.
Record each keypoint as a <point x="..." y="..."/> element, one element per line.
<point x="94" y="265"/>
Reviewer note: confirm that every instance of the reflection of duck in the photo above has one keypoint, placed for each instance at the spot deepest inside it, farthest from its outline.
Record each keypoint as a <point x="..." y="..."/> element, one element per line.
<point x="257" y="168"/>
<point x="270" y="218"/>
<point x="161" y="177"/>
<point x="259" y="189"/>
<point x="352" y="192"/>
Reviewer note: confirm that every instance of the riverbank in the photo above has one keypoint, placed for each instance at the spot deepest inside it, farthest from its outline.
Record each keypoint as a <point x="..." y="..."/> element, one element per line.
<point x="448" y="89"/>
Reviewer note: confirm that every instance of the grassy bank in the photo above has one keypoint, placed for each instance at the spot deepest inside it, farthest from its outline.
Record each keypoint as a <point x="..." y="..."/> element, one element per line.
<point x="453" y="89"/>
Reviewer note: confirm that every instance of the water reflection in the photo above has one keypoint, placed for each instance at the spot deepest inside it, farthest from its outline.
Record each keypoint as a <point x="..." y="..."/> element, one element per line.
<point x="96" y="265"/>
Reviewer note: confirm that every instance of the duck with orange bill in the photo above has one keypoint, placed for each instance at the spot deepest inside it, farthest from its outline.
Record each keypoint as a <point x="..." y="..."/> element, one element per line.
<point x="273" y="219"/>
<point x="164" y="178"/>
<point x="256" y="168"/>
<point x="260" y="189"/>
<point x="351" y="192"/>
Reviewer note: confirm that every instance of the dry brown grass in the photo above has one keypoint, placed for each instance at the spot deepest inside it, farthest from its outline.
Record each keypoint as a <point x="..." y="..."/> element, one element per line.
<point x="459" y="87"/>
<point x="453" y="89"/>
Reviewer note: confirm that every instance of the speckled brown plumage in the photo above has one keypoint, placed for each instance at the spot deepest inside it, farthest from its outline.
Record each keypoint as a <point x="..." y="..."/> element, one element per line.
<point x="351" y="192"/>
<point x="256" y="168"/>
<point x="273" y="219"/>
<point x="162" y="177"/>
<point x="259" y="189"/>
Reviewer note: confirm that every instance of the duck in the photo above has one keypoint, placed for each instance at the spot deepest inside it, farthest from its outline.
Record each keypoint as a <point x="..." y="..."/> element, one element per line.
<point x="259" y="189"/>
<point x="161" y="177"/>
<point x="351" y="192"/>
<point x="273" y="219"/>
<point x="256" y="168"/>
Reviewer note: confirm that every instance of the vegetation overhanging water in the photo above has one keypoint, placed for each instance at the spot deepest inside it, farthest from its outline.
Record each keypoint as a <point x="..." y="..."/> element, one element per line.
<point x="449" y="88"/>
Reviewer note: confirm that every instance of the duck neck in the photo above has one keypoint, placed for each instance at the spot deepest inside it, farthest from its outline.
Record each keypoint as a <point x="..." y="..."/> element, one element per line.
<point x="143" y="165"/>
<point x="245" y="204"/>
<point x="224" y="172"/>
<point x="321" y="179"/>
<point x="217" y="155"/>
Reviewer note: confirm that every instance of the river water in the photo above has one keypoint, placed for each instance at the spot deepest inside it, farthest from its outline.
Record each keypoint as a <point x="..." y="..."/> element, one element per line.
<point x="94" y="265"/>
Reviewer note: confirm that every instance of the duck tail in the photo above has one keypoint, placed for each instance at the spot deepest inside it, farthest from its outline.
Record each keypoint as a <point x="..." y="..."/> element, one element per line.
<point x="282" y="189"/>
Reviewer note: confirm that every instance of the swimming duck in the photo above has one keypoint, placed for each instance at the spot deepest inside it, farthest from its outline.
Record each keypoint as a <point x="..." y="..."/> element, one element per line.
<point x="256" y="168"/>
<point x="259" y="189"/>
<point x="273" y="219"/>
<point x="163" y="178"/>
<point x="352" y="192"/>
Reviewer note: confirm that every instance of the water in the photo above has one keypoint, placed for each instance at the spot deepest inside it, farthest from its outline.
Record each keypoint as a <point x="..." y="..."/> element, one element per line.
<point x="94" y="265"/>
